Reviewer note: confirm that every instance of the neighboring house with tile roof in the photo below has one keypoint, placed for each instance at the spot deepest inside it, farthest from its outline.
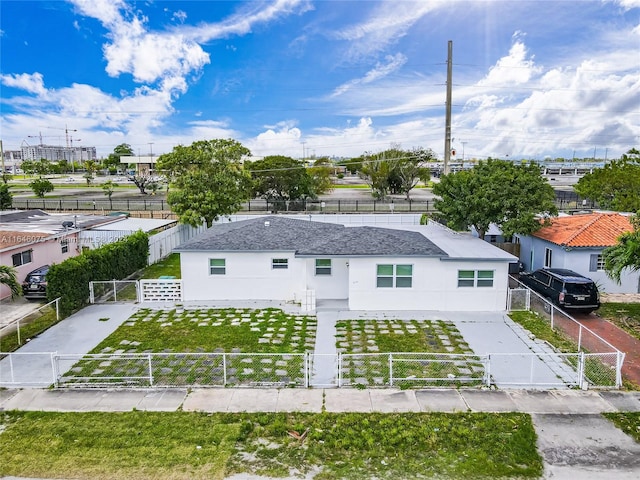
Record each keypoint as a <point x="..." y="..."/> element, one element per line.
<point x="576" y="242"/>
<point x="400" y="267"/>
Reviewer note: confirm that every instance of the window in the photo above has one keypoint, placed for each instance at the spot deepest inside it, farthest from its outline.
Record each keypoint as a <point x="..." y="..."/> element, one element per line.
<point x="21" y="258"/>
<point x="64" y="246"/>
<point x="279" y="263"/>
<point x="475" y="278"/>
<point x="384" y="276"/>
<point x="466" y="278"/>
<point x="596" y="262"/>
<point x="323" y="266"/>
<point x="485" y="278"/>
<point x="217" y="266"/>
<point x="547" y="257"/>
<point x="398" y="276"/>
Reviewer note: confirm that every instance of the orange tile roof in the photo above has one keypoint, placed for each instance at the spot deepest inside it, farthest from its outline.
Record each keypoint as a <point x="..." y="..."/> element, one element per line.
<point x="586" y="230"/>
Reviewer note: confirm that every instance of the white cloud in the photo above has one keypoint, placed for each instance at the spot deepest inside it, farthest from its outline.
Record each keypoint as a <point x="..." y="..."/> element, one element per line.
<point x="32" y="83"/>
<point x="388" y="22"/>
<point x="626" y="4"/>
<point x="381" y="70"/>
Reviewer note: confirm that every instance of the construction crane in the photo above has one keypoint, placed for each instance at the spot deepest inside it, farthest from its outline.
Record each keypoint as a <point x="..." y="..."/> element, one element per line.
<point x="40" y="136"/>
<point x="66" y="132"/>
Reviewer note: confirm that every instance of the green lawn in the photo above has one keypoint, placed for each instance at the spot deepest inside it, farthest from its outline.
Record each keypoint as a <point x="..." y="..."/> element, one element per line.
<point x="628" y="422"/>
<point x="595" y="370"/>
<point x="169" y="266"/>
<point x="417" y="345"/>
<point x="624" y="315"/>
<point x="180" y="445"/>
<point x="260" y="347"/>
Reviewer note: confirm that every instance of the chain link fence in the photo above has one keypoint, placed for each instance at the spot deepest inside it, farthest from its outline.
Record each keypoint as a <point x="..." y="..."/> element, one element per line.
<point x="182" y="370"/>
<point x="603" y="363"/>
<point x="411" y="369"/>
<point x="108" y="291"/>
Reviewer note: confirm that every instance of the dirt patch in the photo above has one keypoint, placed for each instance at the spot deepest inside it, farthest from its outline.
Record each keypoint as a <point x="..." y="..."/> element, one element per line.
<point x="620" y="297"/>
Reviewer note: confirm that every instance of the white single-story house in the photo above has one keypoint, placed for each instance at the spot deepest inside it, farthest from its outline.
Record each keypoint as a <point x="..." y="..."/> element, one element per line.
<point x="576" y="242"/>
<point x="401" y="267"/>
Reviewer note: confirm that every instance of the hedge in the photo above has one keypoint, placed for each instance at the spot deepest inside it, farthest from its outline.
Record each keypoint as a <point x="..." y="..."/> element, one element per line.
<point x="70" y="279"/>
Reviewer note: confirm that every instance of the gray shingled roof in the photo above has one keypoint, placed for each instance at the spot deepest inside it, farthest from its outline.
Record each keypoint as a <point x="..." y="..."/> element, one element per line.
<point x="308" y="238"/>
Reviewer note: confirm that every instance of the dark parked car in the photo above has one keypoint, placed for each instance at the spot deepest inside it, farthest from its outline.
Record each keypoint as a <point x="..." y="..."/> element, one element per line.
<point x="35" y="283"/>
<point x="565" y="288"/>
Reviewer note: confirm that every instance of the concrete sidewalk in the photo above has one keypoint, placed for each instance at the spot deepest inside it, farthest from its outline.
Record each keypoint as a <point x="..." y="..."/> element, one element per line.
<point x="570" y="402"/>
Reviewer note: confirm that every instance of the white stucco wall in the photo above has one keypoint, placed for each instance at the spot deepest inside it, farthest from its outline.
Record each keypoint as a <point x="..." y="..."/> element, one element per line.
<point x="248" y="276"/>
<point x="434" y="286"/>
<point x="334" y="286"/>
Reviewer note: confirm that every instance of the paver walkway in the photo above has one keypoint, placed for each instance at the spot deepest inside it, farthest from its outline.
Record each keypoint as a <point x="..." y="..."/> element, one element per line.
<point x="619" y="339"/>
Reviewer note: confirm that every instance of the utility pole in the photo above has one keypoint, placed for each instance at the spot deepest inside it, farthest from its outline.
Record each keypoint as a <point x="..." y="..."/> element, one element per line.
<point x="447" y="121"/>
<point x="463" y="144"/>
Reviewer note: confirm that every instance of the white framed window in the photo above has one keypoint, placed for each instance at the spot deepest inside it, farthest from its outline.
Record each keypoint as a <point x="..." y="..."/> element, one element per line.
<point x="323" y="266"/>
<point x="279" y="263"/>
<point x="22" y="258"/>
<point x="596" y="263"/>
<point x="485" y="278"/>
<point x="466" y="278"/>
<point x="64" y="246"/>
<point x="390" y="276"/>
<point x="217" y="266"/>
<point x="475" y="278"/>
<point x="548" y="253"/>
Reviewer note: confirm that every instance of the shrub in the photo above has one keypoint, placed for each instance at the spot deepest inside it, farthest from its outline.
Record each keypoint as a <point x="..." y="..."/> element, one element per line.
<point x="70" y="279"/>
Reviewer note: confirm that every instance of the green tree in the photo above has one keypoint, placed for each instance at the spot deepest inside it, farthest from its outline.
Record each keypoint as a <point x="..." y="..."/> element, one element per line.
<point x="113" y="160"/>
<point x="616" y="186"/>
<point x="108" y="187"/>
<point x="207" y="179"/>
<point x="375" y="171"/>
<point x="41" y="186"/>
<point x="625" y="253"/>
<point x="280" y="180"/>
<point x="6" y="199"/>
<point x="321" y="176"/>
<point x="410" y="168"/>
<point x="8" y="277"/>
<point x="495" y="191"/>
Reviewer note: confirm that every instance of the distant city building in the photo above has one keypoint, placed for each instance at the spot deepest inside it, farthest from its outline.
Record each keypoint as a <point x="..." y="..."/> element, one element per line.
<point x="56" y="153"/>
<point x="12" y="160"/>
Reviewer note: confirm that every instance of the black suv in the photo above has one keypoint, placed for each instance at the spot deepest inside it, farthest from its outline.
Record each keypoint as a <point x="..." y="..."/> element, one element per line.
<point x="35" y="283"/>
<point x="565" y="288"/>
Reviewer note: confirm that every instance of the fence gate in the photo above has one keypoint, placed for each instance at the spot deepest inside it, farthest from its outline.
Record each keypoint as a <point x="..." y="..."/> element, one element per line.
<point x="518" y="299"/>
<point x="114" y="291"/>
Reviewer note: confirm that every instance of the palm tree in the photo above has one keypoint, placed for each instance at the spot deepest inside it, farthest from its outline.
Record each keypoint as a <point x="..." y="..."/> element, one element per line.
<point x="8" y="278"/>
<point x="625" y="253"/>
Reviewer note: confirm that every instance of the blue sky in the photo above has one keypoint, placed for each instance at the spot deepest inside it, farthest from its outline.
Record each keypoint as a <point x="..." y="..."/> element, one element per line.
<point x="531" y="79"/>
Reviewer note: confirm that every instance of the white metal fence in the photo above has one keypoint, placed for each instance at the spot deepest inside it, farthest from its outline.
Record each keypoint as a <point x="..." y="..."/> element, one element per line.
<point x="146" y="290"/>
<point x="600" y="356"/>
<point x="17" y="324"/>
<point x="303" y="370"/>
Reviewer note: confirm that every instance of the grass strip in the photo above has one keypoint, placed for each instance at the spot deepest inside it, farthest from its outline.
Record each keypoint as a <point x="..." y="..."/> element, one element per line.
<point x="177" y="445"/>
<point x="628" y="422"/>
<point x="624" y="315"/>
<point x="541" y="328"/>
<point x="30" y="327"/>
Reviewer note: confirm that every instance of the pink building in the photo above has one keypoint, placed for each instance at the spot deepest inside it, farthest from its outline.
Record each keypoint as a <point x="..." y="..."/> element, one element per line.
<point x="31" y="239"/>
